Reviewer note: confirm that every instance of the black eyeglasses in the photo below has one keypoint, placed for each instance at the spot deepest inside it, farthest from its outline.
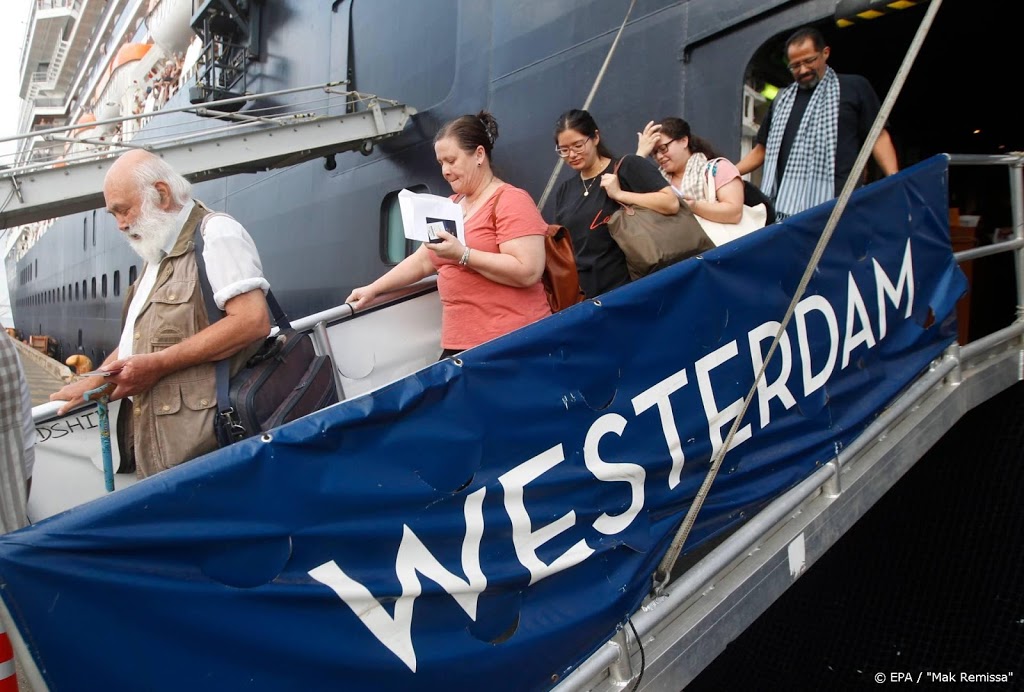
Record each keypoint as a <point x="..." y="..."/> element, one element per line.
<point x="575" y="148"/>
<point x="662" y="149"/>
<point x="806" y="62"/>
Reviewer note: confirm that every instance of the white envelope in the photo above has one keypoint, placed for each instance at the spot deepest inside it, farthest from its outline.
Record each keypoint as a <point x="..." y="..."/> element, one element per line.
<point x="423" y="214"/>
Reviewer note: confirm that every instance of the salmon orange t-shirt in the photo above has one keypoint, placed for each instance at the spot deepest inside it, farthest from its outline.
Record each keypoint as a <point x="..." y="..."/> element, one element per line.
<point x="475" y="309"/>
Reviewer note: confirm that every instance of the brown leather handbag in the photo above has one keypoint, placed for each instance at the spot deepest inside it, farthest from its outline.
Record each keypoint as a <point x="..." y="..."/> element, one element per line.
<point x="560" y="278"/>
<point x="651" y="241"/>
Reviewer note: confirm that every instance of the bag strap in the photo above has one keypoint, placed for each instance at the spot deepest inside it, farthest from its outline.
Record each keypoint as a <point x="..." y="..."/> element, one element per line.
<point x="710" y="191"/>
<point x="615" y="171"/>
<point x="229" y="417"/>
<point x="494" y="209"/>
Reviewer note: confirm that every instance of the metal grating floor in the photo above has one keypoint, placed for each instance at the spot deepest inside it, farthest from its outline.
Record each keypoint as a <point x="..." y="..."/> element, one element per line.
<point x="931" y="579"/>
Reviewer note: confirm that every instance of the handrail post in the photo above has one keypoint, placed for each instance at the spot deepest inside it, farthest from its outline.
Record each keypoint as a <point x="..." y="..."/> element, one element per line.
<point x="323" y="345"/>
<point x="1017" y="210"/>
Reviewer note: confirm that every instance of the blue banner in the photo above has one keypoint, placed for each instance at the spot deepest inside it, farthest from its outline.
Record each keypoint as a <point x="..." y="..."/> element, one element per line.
<point x="489" y="522"/>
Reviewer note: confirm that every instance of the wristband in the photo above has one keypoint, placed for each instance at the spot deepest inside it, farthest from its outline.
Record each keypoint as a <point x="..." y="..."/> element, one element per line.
<point x="465" y="257"/>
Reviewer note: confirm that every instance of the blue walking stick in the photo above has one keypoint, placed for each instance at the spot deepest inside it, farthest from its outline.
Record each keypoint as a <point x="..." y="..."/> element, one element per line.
<point x="101" y="395"/>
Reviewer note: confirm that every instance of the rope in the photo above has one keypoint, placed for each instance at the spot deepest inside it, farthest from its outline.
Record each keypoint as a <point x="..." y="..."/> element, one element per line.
<point x="664" y="571"/>
<point x="586" y="104"/>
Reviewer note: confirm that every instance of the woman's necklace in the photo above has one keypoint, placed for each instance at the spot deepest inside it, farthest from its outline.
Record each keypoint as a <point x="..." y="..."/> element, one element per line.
<point x="586" y="188"/>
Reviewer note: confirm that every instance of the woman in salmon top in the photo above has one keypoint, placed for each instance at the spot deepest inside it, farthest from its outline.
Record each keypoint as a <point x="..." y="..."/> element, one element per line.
<point x="491" y="285"/>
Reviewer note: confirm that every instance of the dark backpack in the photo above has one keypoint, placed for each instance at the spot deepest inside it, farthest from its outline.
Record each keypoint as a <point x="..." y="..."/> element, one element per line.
<point x="752" y="196"/>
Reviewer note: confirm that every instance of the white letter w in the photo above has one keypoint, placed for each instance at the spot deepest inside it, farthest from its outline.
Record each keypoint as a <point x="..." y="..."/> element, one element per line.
<point x="395" y="632"/>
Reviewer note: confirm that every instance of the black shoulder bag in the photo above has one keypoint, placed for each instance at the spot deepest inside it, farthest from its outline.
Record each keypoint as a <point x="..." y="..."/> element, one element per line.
<point x="283" y="381"/>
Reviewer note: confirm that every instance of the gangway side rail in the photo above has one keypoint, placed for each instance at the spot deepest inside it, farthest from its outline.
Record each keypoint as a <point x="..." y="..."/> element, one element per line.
<point x="717" y="599"/>
<point x="247" y="145"/>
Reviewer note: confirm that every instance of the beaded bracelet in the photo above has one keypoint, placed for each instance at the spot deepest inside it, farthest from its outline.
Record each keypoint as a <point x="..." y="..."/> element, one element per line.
<point x="465" y="257"/>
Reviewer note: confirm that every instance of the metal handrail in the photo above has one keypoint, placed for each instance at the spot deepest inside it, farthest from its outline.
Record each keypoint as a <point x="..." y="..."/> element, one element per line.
<point x="1015" y="165"/>
<point x="303" y="111"/>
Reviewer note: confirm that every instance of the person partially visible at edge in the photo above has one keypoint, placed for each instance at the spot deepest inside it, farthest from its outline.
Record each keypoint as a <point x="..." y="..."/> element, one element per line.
<point x="682" y="158"/>
<point x="814" y="130"/>
<point x="17" y="438"/>
<point x="585" y="201"/>
<point x="164" y="363"/>
<point x="490" y="285"/>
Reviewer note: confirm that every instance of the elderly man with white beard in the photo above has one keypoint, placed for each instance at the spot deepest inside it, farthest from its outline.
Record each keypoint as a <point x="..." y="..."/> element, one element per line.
<point x="163" y="367"/>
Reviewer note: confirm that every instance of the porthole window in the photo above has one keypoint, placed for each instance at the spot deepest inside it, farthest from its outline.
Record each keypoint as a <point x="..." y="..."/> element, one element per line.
<point x="394" y="246"/>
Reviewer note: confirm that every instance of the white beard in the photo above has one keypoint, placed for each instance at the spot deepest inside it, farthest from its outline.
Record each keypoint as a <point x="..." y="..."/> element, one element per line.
<point x="151" y="231"/>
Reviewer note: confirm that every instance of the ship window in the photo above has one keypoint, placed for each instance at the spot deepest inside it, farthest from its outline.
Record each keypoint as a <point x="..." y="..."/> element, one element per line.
<point x="85" y="233"/>
<point x="85" y="289"/>
<point x="35" y="268"/>
<point x="76" y="291"/>
<point x="394" y="246"/>
<point x="117" y="283"/>
<point x="93" y="287"/>
<point x="132" y="272"/>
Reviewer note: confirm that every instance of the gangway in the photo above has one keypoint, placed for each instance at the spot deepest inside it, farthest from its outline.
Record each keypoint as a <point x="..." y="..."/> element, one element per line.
<point x="675" y="635"/>
<point x="219" y="144"/>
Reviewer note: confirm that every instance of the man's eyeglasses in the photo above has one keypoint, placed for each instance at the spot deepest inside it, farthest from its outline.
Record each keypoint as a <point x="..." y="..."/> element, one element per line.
<point x="662" y="149"/>
<point x="575" y="148"/>
<point x="806" y="62"/>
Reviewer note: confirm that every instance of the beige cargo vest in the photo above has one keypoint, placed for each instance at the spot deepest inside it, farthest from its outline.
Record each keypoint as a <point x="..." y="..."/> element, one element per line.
<point x="173" y="422"/>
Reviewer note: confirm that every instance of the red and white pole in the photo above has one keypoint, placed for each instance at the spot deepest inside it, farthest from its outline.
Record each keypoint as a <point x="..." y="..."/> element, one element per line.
<point x="8" y="679"/>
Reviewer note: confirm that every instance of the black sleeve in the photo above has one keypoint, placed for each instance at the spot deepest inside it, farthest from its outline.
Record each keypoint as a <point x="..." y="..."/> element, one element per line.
<point x="637" y="174"/>
<point x="869" y="105"/>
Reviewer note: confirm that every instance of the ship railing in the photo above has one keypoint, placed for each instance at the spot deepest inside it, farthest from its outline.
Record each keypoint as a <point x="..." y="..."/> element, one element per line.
<point x="47" y="79"/>
<point x="311" y="122"/>
<point x="73" y="5"/>
<point x="217" y="122"/>
<point x="712" y="602"/>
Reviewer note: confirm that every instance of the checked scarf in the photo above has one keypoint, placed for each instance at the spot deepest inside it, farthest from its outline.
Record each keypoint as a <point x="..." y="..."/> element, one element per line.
<point x="809" y="178"/>
<point x="692" y="184"/>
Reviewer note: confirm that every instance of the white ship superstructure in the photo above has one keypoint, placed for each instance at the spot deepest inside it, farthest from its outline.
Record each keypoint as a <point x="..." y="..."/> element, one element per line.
<point x="85" y="61"/>
<point x="89" y="60"/>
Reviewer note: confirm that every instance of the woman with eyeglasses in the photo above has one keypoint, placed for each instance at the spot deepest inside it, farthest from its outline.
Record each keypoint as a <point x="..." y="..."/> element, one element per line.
<point x="490" y="285"/>
<point x="682" y="158"/>
<point x="585" y="201"/>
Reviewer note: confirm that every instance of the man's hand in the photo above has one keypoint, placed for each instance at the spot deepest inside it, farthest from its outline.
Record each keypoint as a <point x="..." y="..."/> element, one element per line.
<point x="73" y="393"/>
<point x="137" y="374"/>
